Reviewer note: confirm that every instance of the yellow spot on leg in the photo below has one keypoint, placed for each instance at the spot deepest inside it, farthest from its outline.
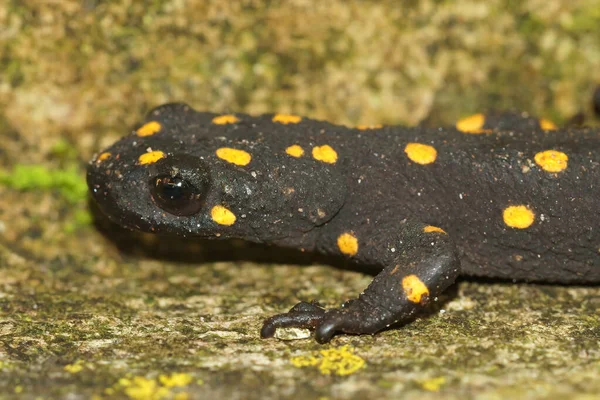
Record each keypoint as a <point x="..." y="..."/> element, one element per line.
<point x="234" y="156"/>
<point x="148" y="129"/>
<point x="472" y="124"/>
<point x="151" y="157"/>
<point x="295" y="151"/>
<point x="520" y="217"/>
<point x="222" y="216"/>
<point x="102" y="157"/>
<point x="421" y="153"/>
<point x="552" y="160"/>
<point x="547" y="125"/>
<point x="348" y="244"/>
<point x="414" y="288"/>
<point x="286" y="119"/>
<point x="324" y="153"/>
<point x="225" y="119"/>
<point x="431" y="228"/>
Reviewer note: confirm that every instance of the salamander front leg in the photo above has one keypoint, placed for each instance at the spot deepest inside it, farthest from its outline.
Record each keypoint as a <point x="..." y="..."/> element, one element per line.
<point x="425" y="266"/>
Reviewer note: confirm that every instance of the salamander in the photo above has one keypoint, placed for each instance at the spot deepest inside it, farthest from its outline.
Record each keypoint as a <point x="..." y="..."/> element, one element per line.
<point x="501" y="196"/>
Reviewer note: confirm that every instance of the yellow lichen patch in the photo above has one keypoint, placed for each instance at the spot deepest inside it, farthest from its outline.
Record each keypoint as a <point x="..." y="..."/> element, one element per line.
<point x="348" y="244"/>
<point x="431" y="228"/>
<point x="472" y="124"/>
<point x="520" y="217"/>
<point x="414" y="288"/>
<point x="225" y="119"/>
<point x="286" y="118"/>
<point x="552" y="160"/>
<point x="421" y="153"/>
<point x="175" y="380"/>
<point x="433" y="384"/>
<point x="234" y="156"/>
<point x="547" y="125"/>
<point x="140" y="387"/>
<point x="367" y="127"/>
<point x="222" y="216"/>
<point x="151" y="157"/>
<point x="324" y="153"/>
<point x="102" y="157"/>
<point x="295" y="151"/>
<point x="74" y="368"/>
<point x="339" y="361"/>
<point x="148" y="129"/>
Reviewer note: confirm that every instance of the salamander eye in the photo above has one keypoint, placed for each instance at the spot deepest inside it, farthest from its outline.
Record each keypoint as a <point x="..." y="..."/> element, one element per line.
<point x="176" y="195"/>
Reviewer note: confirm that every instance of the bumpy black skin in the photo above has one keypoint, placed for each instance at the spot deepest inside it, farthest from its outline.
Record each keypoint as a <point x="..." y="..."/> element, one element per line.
<point x="376" y="193"/>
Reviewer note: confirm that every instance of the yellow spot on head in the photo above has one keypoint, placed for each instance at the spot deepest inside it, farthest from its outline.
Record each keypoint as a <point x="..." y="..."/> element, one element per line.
<point x="324" y="153"/>
<point x="102" y="157"/>
<point x="431" y="228"/>
<point x="520" y="217"/>
<point x="234" y="156"/>
<point x="421" y="153"/>
<point x="339" y="361"/>
<point x="366" y="127"/>
<point x="414" y="288"/>
<point x="348" y="244"/>
<point x="295" y="151"/>
<point x="547" y="125"/>
<point x="222" y="216"/>
<point x="148" y="129"/>
<point x="151" y="157"/>
<point x="225" y="119"/>
<point x="286" y="119"/>
<point x="472" y="124"/>
<point x="552" y="160"/>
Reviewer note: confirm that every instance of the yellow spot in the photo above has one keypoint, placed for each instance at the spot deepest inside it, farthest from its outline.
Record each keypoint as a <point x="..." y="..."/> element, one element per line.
<point x="434" y="384"/>
<point x="234" y="156"/>
<point x="518" y="217"/>
<point x="286" y="119"/>
<point x="421" y="153"/>
<point x="324" y="153"/>
<point x="141" y="388"/>
<point x="339" y="361"/>
<point x="414" y="288"/>
<point x="552" y="160"/>
<point x="472" y="124"/>
<point x="148" y="129"/>
<point x="18" y="389"/>
<point x="348" y="244"/>
<point x="222" y="216"/>
<point x="225" y="119"/>
<point x="295" y="151"/>
<point x="431" y="228"/>
<point x="547" y="125"/>
<point x="102" y="157"/>
<point x="367" y="127"/>
<point x="175" y="380"/>
<point x="74" y="368"/>
<point x="151" y="157"/>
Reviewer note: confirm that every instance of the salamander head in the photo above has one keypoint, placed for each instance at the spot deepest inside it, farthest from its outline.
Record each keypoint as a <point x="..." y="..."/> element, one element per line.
<point x="183" y="173"/>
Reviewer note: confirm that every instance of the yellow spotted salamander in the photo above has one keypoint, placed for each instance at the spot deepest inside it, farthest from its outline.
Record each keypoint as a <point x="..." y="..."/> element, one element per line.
<point x="500" y="196"/>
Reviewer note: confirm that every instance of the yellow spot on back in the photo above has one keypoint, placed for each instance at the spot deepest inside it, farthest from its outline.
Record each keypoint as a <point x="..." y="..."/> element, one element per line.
<point x="348" y="244"/>
<point x="234" y="156"/>
<point x="339" y="361"/>
<point x="547" y="125"/>
<point x="295" y="151"/>
<point x="151" y="157"/>
<point x="421" y="153"/>
<point x="519" y="217"/>
<point x="225" y="119"/>
<point x="366" y="127"/>
<point x="148" y="129"/>
<point x="552" y="160"/>
<point x="324" y="153"/>
<point x="102" y="157"/>
<point x="431" y="228"/>
<point x="414" y="288"/>
<point x="472" y="124"/>
<point x="222" y="216"/>
<point x="286" y="119"/>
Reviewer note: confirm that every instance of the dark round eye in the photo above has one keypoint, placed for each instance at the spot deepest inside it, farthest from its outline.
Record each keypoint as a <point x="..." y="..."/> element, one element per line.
<point x="175" y="195"/>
